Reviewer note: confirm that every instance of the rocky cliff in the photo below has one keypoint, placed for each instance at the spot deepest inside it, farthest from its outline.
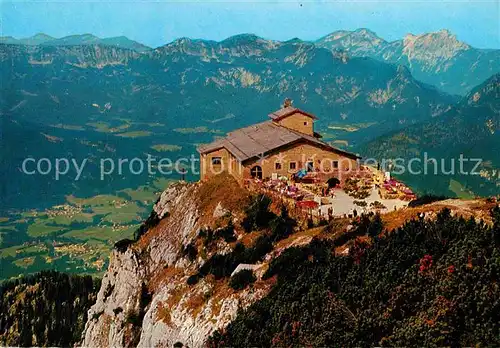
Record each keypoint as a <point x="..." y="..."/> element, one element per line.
<point x="145" y="299"/>
<point x="176" y="283"/>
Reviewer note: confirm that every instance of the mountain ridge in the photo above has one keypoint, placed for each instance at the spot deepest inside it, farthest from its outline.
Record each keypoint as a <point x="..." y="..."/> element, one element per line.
<point x="233" y="55"/>
<point x="437" y="58"/>
<point x="76" y="39"/>
<point x="471" y="128"/>
<point x="197" y="86"/>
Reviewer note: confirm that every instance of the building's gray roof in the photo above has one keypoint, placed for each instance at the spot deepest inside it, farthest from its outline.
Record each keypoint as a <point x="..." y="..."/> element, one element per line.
<point x="261" y="138"/>
<point x="287" y="111"/>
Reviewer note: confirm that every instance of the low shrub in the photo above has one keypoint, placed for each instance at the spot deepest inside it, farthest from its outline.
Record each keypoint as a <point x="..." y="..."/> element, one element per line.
<point x="227" y="233"/>
<point x="261" y="247"/>
<point x="190" y="251"/>
<point x="242" y="279"/>
<point x="282" y="226"/>
<point x="97" y="315"/>
<point x="257" y="213"/>
<point x="193" y="279"/>
<point x="376" y="226"/>
<point x="152" y="221"/>
<point x="368" y="224"/>
<point x="290" y="256"/>
<point x="209" y="236"/>
<point x="133" y="318"/>
<point x="426" y="199"/>
<point x="221" y="266"/>
<point x="123" y="244"/>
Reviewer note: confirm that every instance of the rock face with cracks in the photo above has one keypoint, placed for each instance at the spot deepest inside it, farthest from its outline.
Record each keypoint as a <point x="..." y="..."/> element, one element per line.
<point x="145" y="299"/>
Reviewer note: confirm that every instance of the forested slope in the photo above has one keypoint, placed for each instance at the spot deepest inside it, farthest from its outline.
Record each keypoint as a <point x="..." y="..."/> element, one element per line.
<point x="429" y="283"/>
<point x="46" y="309"/>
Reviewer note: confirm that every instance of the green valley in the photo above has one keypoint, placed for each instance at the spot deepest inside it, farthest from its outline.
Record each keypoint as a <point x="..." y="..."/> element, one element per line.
<point x="76" y="236"/>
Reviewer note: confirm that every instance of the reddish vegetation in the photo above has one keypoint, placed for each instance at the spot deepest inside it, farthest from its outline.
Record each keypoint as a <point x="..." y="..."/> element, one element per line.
<point x="358" y="249"/>
<point x="195" y="303"/>
<point x="425" y="263"/>
<point x="248" y="239"/>
<point x="163" y="313"/>
<point x="469" y="262"/>
<point x="221" y="188"/>
<point x="128" y="335"/>
<point x="167" y="274"/>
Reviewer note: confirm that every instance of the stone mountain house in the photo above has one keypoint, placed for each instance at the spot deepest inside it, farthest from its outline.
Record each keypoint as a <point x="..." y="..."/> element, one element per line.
<point x="278" y="147"/>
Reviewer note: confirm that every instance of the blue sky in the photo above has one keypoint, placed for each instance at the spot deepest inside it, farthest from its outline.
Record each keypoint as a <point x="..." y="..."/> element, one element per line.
<point x="158" y="22"/>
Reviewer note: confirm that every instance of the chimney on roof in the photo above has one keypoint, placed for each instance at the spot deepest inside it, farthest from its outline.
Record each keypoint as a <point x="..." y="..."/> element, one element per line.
<point x="288" y="102"/>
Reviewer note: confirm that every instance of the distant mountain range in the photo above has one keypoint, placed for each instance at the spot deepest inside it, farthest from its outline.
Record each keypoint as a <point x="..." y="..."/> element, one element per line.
<point x="435" y="58"/>
<point x="95" y="97"/>
<point x="85" y="39"/>
<point x="197" y="82"/>
<point x="83" y="97"/>
<point x="470" y="129"/>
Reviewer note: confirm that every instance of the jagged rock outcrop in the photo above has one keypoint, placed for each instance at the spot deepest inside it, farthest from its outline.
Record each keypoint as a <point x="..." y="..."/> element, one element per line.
<point x="117" y="300"/>
<point x="188" y="322"/>
<point x="179" y="202"/>
<point x="145" y="299"/>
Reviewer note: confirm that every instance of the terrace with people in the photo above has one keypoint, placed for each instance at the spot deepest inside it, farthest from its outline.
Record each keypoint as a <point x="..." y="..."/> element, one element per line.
<point x="363" y="191"/>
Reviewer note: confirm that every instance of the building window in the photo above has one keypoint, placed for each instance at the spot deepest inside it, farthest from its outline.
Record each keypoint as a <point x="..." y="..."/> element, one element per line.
<point x="277" y="166"/>
<point x="335" y="164"/>
<point x="256" y="172"/>
<point x="293" y="165"/>
<point x="305" y="123"/>
<point x="216" y="160"/>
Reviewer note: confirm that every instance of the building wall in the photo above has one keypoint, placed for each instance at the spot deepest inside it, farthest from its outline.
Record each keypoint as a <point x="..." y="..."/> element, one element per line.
<point x="301" y="154"/>
<point x="228" y="163"/>
<point x="298" y="122"/>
